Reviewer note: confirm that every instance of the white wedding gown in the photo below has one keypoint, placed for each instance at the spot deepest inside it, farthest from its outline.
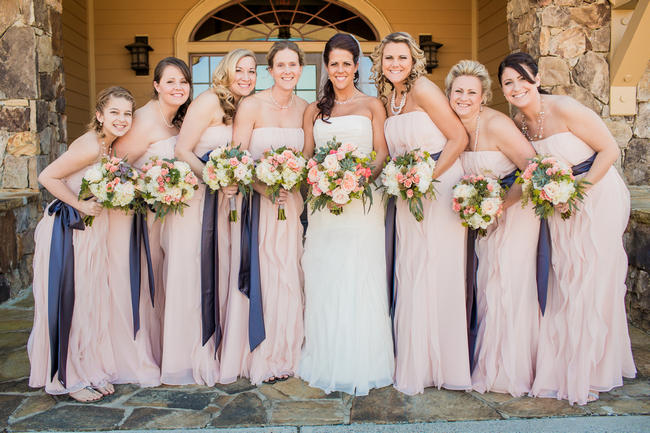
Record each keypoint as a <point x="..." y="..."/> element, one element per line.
<point x="348" y="340"/>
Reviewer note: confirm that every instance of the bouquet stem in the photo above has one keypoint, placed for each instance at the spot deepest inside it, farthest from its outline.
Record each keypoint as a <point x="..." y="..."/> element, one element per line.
<point x="233" y="209"/>
<point x="88" y="220"/>
<point x="282" y="216"/>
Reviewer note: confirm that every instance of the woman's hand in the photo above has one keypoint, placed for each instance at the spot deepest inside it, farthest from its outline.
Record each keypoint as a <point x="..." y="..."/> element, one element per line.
<point x="230" y="191"/>
<point x="90" y="207"/>
<point x="282" y="197"/>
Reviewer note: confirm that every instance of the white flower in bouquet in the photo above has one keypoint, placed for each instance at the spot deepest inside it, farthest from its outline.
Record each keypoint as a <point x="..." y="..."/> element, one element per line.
<point x="339" y="196"/>
<point x="331" y="162"/>
<point x="476" y="222"/>
<point x="491" y="206"/>
<point x="552" y="190"/>
<point x="464" y="191"/>
<point x="566" y="191"/>
<point x="94" y="174"/>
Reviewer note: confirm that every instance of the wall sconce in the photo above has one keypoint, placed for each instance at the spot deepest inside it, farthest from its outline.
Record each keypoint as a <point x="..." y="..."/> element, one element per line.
<point x="430" y="49"/>
<point x="140" y="55"/>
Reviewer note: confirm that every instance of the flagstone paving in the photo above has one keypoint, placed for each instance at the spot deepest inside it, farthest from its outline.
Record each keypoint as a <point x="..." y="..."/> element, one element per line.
<point x="290" y="403"/>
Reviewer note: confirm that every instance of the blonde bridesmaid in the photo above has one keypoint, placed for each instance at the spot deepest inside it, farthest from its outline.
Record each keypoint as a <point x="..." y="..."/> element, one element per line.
<point x="584" y="346"/>
<point x="193" y="320"/>
<point x="506" y="298"/>
<point x="269" y="119"/>
<point x="137" y="331"/>
<point x="75" y="297"/>
<point x="429" y="319"/>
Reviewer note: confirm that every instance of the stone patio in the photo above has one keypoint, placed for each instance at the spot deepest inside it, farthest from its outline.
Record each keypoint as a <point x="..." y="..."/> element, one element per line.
<point x="290" y="403"/>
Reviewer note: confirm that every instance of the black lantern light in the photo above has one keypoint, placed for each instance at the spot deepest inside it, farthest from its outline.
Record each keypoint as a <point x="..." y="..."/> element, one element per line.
<point x="430" y="49"/>
<point x="140" y="55"/>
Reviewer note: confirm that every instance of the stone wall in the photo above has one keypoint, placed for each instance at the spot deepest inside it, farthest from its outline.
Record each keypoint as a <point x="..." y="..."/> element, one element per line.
<point x="32" y="124"/>
<point x="571" y="40"/>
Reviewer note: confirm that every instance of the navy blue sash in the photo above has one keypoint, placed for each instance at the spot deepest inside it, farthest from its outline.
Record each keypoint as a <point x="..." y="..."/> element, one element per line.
<point x="139" y="237"/>
<point x="544" y="243"/>
<point x="249" y="270"/>
<point x="210" y="320"/>
<point x="60" y="284"/>
<point x="390" y="241"/>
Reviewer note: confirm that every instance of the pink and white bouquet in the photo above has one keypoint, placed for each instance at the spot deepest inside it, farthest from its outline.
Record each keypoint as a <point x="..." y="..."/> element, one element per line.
<point x="281" y="168"/>
<point x="478" y="200"/>
<point x="112" y="181"/>
<point x="548" y="182"/>
<point x="167" y="185"/>
<point x="229" y="166"/>
<point x="410" y="177"/>
<point x="337" y="174"/>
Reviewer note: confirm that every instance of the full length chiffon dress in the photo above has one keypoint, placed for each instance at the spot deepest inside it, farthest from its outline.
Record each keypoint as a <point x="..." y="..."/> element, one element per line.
<point x="583" y="342"/>
<point x="185" y="359"/>
<point x="137" y="359"/>
<point x="280" y="251"/>
<point x="430" y="319"/>
<point x="90" y="353"/>
<point x="506" y="298"/>
<point x="348" y="342"/>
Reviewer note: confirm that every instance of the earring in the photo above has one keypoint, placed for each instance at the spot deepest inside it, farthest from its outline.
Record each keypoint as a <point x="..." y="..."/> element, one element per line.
<point x="101" y="124"/>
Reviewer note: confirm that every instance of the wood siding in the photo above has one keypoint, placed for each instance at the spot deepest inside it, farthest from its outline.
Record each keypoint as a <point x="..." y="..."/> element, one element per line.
<point x="493" y="44"/>
<point x="75" y="66"/>
<point x="118" y="21"/>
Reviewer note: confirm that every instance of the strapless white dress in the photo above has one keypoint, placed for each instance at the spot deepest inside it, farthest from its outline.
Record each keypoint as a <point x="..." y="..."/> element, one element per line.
<point x="348" y="340"/>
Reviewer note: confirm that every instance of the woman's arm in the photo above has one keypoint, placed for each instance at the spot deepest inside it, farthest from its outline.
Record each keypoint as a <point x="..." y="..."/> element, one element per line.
<point x="378" y="138"/>
<point x="83" y="152"/>
<point x="244" y="122"/>
<point x="431" y="99"/>
<point x="308" y="120"/>
<point x="199" y="115"/>
<point x="590" y="128"/>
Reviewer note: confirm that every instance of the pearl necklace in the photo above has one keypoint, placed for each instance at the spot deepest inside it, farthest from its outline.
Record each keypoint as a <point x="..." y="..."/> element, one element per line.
<point x="394" y="108"/>
<point x="347" y="101"/>
<point x="167" y="124"/>
<point x="540" y="123"/>
<point x="477" y="129"/>
<point x="281" y="107"/>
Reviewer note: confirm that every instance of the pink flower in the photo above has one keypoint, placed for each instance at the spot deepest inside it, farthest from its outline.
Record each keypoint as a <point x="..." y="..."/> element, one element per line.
<point x="409" y="193"/>
<point x="292" y="164"/>
<point x="340" y="197"/>
<point x="348" y="147"/>
<point x="233" y="162"/>
<point x="161" y="189"/>
<point x="490" y="187"/>
<point x="408" y="183"/>
<point x="164" y="171"/>
<point x="456" y="206"/>
<point x="340" y="156"/>
<point x="245" y="159"/>
<point x="312" y="162"/>
<point x="315" y="190"/>
<point x="349" y="182"/>
<point x="312" y="175"/>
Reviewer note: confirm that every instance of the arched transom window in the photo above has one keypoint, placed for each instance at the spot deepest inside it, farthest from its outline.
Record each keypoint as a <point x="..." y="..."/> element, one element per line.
<point x="269" y="20"/>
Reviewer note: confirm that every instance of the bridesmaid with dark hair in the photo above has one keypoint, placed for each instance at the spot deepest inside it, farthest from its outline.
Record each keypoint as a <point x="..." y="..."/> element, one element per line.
<point x="267" y="120"/>
<point x="71" y="281"/>
<point x="197" y="288"/>
<point x="584" y="346"/>
<point x="136" y="318"/>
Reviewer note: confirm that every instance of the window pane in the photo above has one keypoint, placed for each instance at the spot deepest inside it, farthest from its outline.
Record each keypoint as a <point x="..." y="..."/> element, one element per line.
<point x="199" y="88"/>
<point x="308" y="77"/>
<point x="264" y="79"/>
<point x="307" y="95"/>
<point x="200" y="70"/>
<point x="214" y="61"/>
<point x="365" y="63"/>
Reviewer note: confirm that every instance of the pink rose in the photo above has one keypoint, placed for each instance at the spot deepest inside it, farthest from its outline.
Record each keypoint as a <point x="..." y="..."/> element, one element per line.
<point x="348" y="147"/>
<point x="245" y="159"/>
<point x="312" y="175"/>
<point x="292" y="164"/>
<point x="340" y="197"/>
<point x="233" y="162"/>
<point x="409" y="193"/>
<point x="312" y="162"/>
<point x="349" y="182"/>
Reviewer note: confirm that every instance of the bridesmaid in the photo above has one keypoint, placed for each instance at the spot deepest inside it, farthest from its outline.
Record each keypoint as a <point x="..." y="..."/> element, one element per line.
<point x="429" y="319"/>
<point x="506" y="299"/>
<point x="189" y="343"/>
<point x="155" y="126"/>
<point x="81" y="364"/>
<point x="270" y="119"/>
<point x="584" y="347"/>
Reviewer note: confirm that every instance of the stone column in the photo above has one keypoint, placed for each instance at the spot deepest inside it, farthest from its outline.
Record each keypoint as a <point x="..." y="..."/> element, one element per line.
<point x="32" y="126"/>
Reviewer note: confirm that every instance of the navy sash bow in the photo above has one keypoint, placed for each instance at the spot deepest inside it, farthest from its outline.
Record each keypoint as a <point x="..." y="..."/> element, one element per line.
<point x="391" y="251"/>
<point x="210" y="321"/>
<point x="249" y="270"/>
<point x="544" y="243"/>
<point x="60" y="284"/>
<point x="139" y="237"/>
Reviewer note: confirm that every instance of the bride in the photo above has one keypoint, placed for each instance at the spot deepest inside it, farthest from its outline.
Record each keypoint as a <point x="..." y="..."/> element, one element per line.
<point x="348" y="340"/>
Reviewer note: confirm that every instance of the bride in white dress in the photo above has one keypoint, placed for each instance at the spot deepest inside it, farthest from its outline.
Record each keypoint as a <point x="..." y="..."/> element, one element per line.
<point x="348" y="341"/>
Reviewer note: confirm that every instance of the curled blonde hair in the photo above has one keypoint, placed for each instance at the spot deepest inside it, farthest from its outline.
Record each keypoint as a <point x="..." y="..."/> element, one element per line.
<point x="223" y="77"/>
<point x="102" y="101"/>
<point x="470" y="68"/>
<point x="384" y="86"/>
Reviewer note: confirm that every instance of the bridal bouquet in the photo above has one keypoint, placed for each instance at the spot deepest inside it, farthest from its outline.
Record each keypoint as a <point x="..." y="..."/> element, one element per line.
<point x="229" y="166"/>
<point x="281" y="168"/>
<point x="112" y="181"/>
<point x="338" y="173"/>
<point x="548" y="182"/>
<point x="410" y="177"/>
<point x="167" y="185"/>
<point x="478" y="201"/>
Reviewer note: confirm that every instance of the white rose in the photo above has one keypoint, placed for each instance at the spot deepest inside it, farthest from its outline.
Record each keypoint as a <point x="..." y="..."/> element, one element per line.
<point x="566" y="190"/>
<point x="552" y="189"/>
<point x="490" y="206"/>
<point x="464" y="191"/>
<point x="476" y="221"/>
<point x="331" y="163"/>
<point x="94" y="174"/>
<point x="324" y="183"/>
<point x="339" y="196"/>
<point x="289" y="178"/>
